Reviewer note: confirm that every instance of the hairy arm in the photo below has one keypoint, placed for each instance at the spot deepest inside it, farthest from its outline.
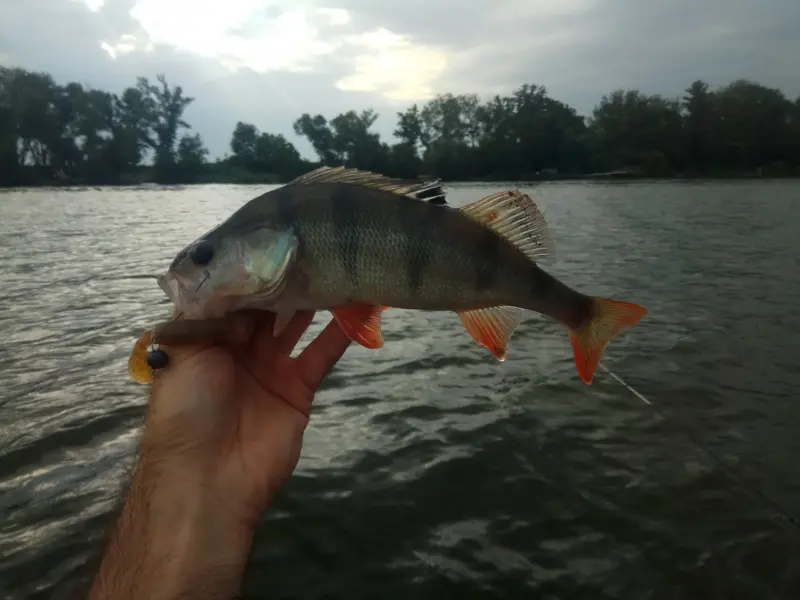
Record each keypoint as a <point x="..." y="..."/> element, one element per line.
<point x="222" y="435"/>
<point x="174" y="538"/>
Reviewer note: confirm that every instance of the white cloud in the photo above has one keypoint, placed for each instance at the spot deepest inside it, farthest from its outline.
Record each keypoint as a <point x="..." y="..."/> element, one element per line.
<point x="92" y="5"/>
<point x="125" y="45"/>
<point x="279" y="35"/>
<point x="338" y="16"/>
<point x="225" y="30"/>
<point x="390" y="63"/>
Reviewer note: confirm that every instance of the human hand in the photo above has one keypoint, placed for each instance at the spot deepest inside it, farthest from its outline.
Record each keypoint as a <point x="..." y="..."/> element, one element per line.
<point x="229" y="416"/>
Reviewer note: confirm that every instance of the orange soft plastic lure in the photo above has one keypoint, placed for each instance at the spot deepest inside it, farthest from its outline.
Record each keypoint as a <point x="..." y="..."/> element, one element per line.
<point x="138" y="369"/>
<point x="174" y="332"/>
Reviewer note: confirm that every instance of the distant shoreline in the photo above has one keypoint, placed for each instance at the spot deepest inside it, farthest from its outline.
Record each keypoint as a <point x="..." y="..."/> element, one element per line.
<point x="67" y="135"/>
<point x="259" y="179"/>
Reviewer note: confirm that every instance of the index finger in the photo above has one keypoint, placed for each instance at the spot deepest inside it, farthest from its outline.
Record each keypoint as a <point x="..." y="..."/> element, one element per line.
<point x="317" y="360"/>
<point x="190" y="332"/>
<point x="184" y="338"/>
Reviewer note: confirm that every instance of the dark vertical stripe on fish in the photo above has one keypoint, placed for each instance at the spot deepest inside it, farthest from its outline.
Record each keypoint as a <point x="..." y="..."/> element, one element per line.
<point x="348" y="235"/>
<point x="486" y="265"/>
<point x="416" y="234"/>
<point x="287" y="211"/>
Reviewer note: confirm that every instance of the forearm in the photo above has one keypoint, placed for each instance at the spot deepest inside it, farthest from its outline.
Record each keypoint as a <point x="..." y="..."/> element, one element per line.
<point x="173" y="539"/>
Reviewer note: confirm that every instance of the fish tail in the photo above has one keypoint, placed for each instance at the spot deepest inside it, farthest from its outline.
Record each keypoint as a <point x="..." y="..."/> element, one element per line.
<point x="608" y="318"/>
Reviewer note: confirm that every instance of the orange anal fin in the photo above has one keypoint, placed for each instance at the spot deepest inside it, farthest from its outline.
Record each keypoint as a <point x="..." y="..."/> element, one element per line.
<point x="361" y="323"/>
<point x="138" y="369"/>
<point x="492" y="327"/>
<point x="609" y="318"/>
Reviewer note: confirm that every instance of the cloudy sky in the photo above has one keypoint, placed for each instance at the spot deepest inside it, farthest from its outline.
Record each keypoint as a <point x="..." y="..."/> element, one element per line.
<point x="268" y="61"/>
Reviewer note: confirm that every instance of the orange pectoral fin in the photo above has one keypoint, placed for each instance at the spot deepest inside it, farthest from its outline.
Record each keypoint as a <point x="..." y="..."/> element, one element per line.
<point x="361" y="323"/>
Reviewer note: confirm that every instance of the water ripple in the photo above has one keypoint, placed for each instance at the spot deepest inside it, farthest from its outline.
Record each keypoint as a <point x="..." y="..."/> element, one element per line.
<point x="431" y="470"/>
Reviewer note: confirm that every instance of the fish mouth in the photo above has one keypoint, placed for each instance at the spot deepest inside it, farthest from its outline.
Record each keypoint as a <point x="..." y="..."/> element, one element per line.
<point x="178" y="292"/>
<point x="170" y="285"/>
<point x="188" y="299"/>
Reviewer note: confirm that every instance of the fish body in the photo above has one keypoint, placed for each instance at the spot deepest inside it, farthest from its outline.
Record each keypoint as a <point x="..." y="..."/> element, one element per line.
<point x="354" y="243"/>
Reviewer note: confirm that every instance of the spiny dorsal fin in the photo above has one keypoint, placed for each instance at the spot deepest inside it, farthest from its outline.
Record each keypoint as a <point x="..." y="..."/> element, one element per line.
<point x="516" y="217"/>
<point x="430" y="191"/>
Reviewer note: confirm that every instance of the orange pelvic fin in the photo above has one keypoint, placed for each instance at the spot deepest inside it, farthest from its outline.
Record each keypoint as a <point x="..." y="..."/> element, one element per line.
<point x="492" y="327"/>
<point x="609" y="318"/>
<point x="361" y="323"/>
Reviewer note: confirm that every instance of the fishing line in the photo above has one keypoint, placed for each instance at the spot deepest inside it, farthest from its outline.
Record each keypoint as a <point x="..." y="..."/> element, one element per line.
<point x="754" y="493"/>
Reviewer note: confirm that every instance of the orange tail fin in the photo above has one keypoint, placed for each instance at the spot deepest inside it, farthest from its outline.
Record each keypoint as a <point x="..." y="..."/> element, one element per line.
<point x="609" y="318"/>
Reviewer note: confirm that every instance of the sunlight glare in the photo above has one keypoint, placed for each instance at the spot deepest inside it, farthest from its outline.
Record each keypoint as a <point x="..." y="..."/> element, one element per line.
<point x="392" y="64"/>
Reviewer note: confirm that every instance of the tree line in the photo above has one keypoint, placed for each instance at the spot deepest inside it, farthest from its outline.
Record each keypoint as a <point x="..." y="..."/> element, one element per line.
<point x="74" y="134"/>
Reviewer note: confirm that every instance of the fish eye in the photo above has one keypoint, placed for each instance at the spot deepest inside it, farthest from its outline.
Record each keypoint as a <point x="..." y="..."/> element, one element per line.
<point x="202" y="253"/>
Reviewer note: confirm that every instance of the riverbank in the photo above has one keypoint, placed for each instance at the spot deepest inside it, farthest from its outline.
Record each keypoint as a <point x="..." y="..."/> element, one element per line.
<point x="216" y="173"/>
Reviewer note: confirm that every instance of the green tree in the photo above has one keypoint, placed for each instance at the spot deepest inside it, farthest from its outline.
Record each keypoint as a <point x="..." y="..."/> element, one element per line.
<point x="355" y="145"/>
<point x="162" y="107"/>
<point x="265" y="152"/>
<point x="345" y="140"/>
<point x="701" y="124"/>
<point x="277" y="156"/>
<point x="243" y="144"/>
<point x="319" y="134"/>
<point x="449" y="134"/>
<point x="754" y="130"/>
<point x="191" y="151"/>
<point x="634" y="130"/>
<point x="54" y="132"/>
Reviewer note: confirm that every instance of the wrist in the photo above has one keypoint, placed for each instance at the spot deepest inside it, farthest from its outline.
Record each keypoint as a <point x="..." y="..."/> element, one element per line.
<point x="176" y="532"/>
<point x="194" y="475"/>
<point x="182" y="495"/>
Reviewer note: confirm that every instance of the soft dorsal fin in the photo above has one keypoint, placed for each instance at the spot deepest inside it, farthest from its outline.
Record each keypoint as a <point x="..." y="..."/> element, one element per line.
<point x="430" y="191"/>
<point x="516" y="217"/>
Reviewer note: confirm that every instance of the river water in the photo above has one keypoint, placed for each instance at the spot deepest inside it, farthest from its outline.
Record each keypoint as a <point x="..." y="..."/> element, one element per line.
<point x="430" y="470"/>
